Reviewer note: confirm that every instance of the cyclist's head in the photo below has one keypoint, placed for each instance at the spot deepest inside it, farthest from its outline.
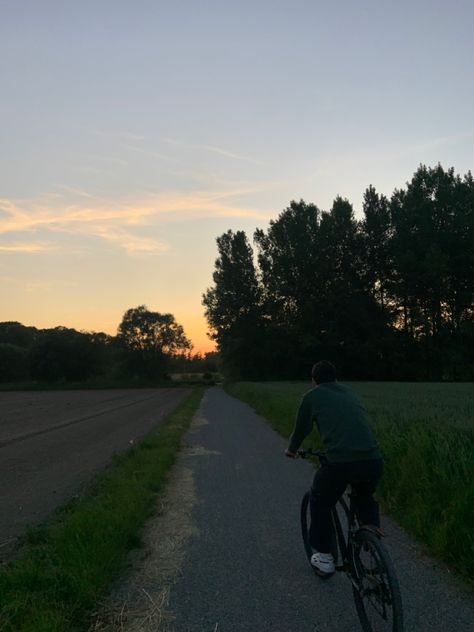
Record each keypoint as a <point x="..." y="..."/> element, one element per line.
<point x="323" y="371"/>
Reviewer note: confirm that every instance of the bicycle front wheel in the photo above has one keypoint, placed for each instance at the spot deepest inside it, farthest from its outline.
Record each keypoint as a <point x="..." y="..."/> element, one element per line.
<point x="375" y="585"/>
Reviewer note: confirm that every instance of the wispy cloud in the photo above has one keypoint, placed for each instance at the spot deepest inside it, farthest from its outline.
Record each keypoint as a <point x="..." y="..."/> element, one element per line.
<point x="127" y="135"/>
<point x="132" y="244"/>
<point x="107" y="160"/>
<point x="229" y="154"/>
<point x="151" y="153"/>
<point x="206" y="204"/>
<point x="132" y="136"/>
<point x="26" y="247"/>
<point x="113" y="221"/>
<point x="51" y="285"/>
<point x="216" y="150"/>
<point x="76" y="191"/>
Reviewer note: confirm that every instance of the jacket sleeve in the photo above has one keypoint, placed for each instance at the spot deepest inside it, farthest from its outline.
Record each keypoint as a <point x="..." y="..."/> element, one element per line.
<point x="303" y="425"/>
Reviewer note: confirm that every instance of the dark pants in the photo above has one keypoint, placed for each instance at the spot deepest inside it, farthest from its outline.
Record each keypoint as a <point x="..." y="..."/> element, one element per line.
<point x="329" y="483"/>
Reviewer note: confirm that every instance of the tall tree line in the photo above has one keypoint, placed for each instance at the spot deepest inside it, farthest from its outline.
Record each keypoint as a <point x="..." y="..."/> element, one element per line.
<point x="389" y="296"/>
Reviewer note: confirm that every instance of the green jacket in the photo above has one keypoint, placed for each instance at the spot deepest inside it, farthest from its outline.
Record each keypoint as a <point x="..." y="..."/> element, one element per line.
<point x="341" y="421"/>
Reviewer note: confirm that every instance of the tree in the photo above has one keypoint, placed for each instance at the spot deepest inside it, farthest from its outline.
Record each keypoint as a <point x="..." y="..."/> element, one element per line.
<point x="432" y="246"/>
<point x="293" y="288"/>
<point x="458" y="244"/>
<point x="315" y="295"/>
<point x="390" y="296"/>
<point x="63" y="354"/>
<point x="376" y="234"/>
<point x="353" y="319"/>
<point x="148" y="340"/>
<point x="13" y="363"/>
<point x="15" y="333"/>
<point x="287" y="256"/>
<point x="233" y="306"/>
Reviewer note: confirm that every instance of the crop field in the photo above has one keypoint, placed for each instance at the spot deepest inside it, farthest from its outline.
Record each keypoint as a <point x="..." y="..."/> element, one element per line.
<point x="426" y="432"/>
<point x="67" y="563"/>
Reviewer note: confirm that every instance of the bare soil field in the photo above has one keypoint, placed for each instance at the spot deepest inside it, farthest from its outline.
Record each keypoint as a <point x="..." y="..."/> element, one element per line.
<point x="53" y="442"/>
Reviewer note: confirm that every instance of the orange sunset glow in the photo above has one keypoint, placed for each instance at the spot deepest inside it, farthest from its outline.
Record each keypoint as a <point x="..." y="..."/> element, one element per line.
<point x="134" y="134"/>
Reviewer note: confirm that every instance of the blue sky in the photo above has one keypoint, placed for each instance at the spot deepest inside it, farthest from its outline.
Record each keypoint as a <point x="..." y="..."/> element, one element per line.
<point x="134" y="133"/>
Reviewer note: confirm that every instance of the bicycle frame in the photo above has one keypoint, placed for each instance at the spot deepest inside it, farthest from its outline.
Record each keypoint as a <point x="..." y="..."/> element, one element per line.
<point x="360" y="554"/>
<point x="343" y="540"/>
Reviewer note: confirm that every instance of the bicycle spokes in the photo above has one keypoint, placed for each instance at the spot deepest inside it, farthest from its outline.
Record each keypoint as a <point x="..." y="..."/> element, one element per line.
<point x="375" y="586"/>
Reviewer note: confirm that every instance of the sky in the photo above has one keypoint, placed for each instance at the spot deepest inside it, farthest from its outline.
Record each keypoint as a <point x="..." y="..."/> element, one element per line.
<point x="133" y="133"/>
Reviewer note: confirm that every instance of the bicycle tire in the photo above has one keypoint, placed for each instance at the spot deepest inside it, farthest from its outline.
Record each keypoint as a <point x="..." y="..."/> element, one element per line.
<point x="375" y="586"/>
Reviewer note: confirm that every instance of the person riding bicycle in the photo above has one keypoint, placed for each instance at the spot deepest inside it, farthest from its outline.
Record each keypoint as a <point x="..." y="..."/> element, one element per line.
<point x="353" y="457"/>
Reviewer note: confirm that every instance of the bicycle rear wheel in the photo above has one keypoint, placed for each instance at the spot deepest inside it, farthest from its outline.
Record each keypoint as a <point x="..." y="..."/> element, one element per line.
<point x="376" y="590"/>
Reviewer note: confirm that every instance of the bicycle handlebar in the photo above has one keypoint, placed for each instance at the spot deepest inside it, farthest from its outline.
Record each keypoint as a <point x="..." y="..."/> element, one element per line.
<point x="305" y="453"/>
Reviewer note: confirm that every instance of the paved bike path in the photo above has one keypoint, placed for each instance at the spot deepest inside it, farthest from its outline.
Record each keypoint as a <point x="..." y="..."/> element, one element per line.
<point x="244" y="568"/>
<point x="224" y="551"/>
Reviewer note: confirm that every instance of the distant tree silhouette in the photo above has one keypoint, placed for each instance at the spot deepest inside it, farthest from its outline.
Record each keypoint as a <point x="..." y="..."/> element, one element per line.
<point x="196" y="363"/>
<point x="234" y="306"/>
<point x="15" y="342"/>
<point x="63" y="354"/>
<point x="149" y="340"/>
<point x="376" y="254"/>
<point x="13" y="363"/>
<point x="15" y="333"/>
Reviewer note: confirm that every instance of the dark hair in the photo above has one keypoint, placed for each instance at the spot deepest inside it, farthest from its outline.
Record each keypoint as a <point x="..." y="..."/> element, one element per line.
<point x="323" y="371"/>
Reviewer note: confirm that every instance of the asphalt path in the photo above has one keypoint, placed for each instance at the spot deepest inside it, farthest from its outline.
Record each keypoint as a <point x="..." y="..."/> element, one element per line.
<point x="244" y="567"/>
<point x="52" y="444"/>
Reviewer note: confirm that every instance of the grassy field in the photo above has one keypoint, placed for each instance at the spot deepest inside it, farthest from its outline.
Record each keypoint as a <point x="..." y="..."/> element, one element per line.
<point x="68" y="563"/>
<point x="426" y="432"/>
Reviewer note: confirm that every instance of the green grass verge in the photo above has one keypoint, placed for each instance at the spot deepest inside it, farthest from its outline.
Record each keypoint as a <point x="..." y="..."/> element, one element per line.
<point x="68" y="564"/>
<point x="426" y="433"/>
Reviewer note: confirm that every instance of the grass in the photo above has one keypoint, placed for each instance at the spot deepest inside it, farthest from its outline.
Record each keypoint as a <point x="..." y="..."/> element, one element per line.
<point x="426" y="432"/>
<point x="68" y="563"/>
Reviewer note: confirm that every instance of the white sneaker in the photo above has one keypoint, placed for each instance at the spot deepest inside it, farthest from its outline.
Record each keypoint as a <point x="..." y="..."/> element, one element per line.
<point x="323" y="564"/>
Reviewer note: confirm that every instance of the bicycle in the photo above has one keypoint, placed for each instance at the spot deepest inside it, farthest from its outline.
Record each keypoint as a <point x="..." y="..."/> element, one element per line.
<point x="359" y="552"/>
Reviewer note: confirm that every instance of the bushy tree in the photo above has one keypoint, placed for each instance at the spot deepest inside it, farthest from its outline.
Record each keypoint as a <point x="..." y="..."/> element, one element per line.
<point x="148" y="341"/>
<point x="288" y="258"/>
<point x="13" y="363"/>
<point x="433" y="262"/>
<point x="316" y="297"/>
<point x="63" y="354"/>
<point x="14" y="333"/>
